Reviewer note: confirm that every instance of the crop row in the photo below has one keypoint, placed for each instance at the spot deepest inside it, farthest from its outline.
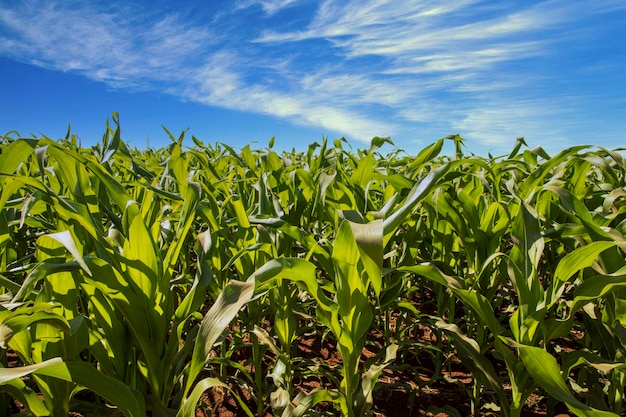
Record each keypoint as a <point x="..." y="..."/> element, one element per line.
<point x="135" y="282"/>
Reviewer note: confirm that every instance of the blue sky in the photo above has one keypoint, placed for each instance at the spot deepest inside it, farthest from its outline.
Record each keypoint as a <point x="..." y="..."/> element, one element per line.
<point x="242" y="71"/>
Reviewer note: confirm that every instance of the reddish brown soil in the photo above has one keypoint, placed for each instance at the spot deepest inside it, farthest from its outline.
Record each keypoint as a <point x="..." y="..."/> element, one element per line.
<point x="401" y="390"/>
<point x="408" y="387"/>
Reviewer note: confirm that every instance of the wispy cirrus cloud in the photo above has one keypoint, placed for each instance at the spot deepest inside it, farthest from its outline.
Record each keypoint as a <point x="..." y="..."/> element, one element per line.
<point x="487" y="69"/>
<point x="174" y="56"/>
<point x="112" y="45"/>
<point x="269" y="6"/>
<point x="302" y="104"/>
<point x="427" y="38"/>
<point x="467" y="59"/>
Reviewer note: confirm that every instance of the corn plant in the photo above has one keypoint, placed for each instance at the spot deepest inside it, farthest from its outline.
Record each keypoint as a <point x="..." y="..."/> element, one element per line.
<point x="128" y="286"/>
<point x="539" y="291"/>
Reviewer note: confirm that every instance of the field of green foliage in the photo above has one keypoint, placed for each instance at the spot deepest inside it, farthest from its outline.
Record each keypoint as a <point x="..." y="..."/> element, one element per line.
<point x="133" y="282"/>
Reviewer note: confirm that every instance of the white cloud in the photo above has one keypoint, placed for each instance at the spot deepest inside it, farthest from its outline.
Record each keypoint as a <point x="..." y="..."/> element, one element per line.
<point x="218" y="84"/>
<point x="347" y="89"/>
<point x="496" y="125"/>
<point x="466" y="60"/>
<point x="359" y="68"/>
<point x="269" y="6"/>
<point x="181" y="60"/>
<point x="106" y="45"/>
<point x="461" y="52"/>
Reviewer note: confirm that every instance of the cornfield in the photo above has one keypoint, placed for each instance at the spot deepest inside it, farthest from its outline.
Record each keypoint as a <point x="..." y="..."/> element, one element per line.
<point x="154" y="282"/>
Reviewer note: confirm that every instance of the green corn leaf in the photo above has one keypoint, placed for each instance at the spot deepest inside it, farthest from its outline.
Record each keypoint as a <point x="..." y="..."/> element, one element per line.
<point x="145" y="324"/>
<point x="188" y="407"/>
<point x="570" y="202"/>
<point x="592" y="288"/>
<point x="61" y="287"/>
<point x="428" y="153"/>
<point x="350" y="283"/>
<point x="249" y="157"/>
<point x="293" y="269"/>
<point x="232" y="298"/>
<point x="525" y="257"/>
<point x="365" y="400"/>
<point x="7" y="374"/>
<point x="302" y="272"/>
<point x="69" y="211"/>
<point x="369" y="240"/>
<point x="472" y="357"/>
<point x="418" y="193"/>
<point x="528" y="330"/>
<point x="8" y="284"/>
<point x="378" y="142"/>
<point x="579" y="259"/>
<point x="481" y="306"/>
<point x="298" y="235"/>
<point x="545" y="371"/>
<point x="38" y="273"/>
<point x="5" y="236"/>
<point x="518" y="375"/>
<point x="34" y="276"/>
<point x="518" y="144"/>
<point x="141" y="258"/>
<point x="397" y="181"/>
<point x="325" y="181"/>
<point x="12" y="185"/>
<point x="364" y="171"/>
<point x="112" y="356"/>
<point x="434" y="274"/>
<point x="15" y="154"/>
<point x="303" y="402"/>
<point x="67" y="241"/>
<point x="179" y="166"/>
<point x="532" y="181"/>
<point x="26" y="396"/>
<point x="240" y="212"/>
<point x="130" y="402"/>
<point x="586" y="358"/>
<point x="197" y="293"/>
<point x="187" y="217"/>
<point x="28" y="203"/>
<point x="69" y="172"/>
<point x="24" y="317"/>
<point x="115" y="191"/>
